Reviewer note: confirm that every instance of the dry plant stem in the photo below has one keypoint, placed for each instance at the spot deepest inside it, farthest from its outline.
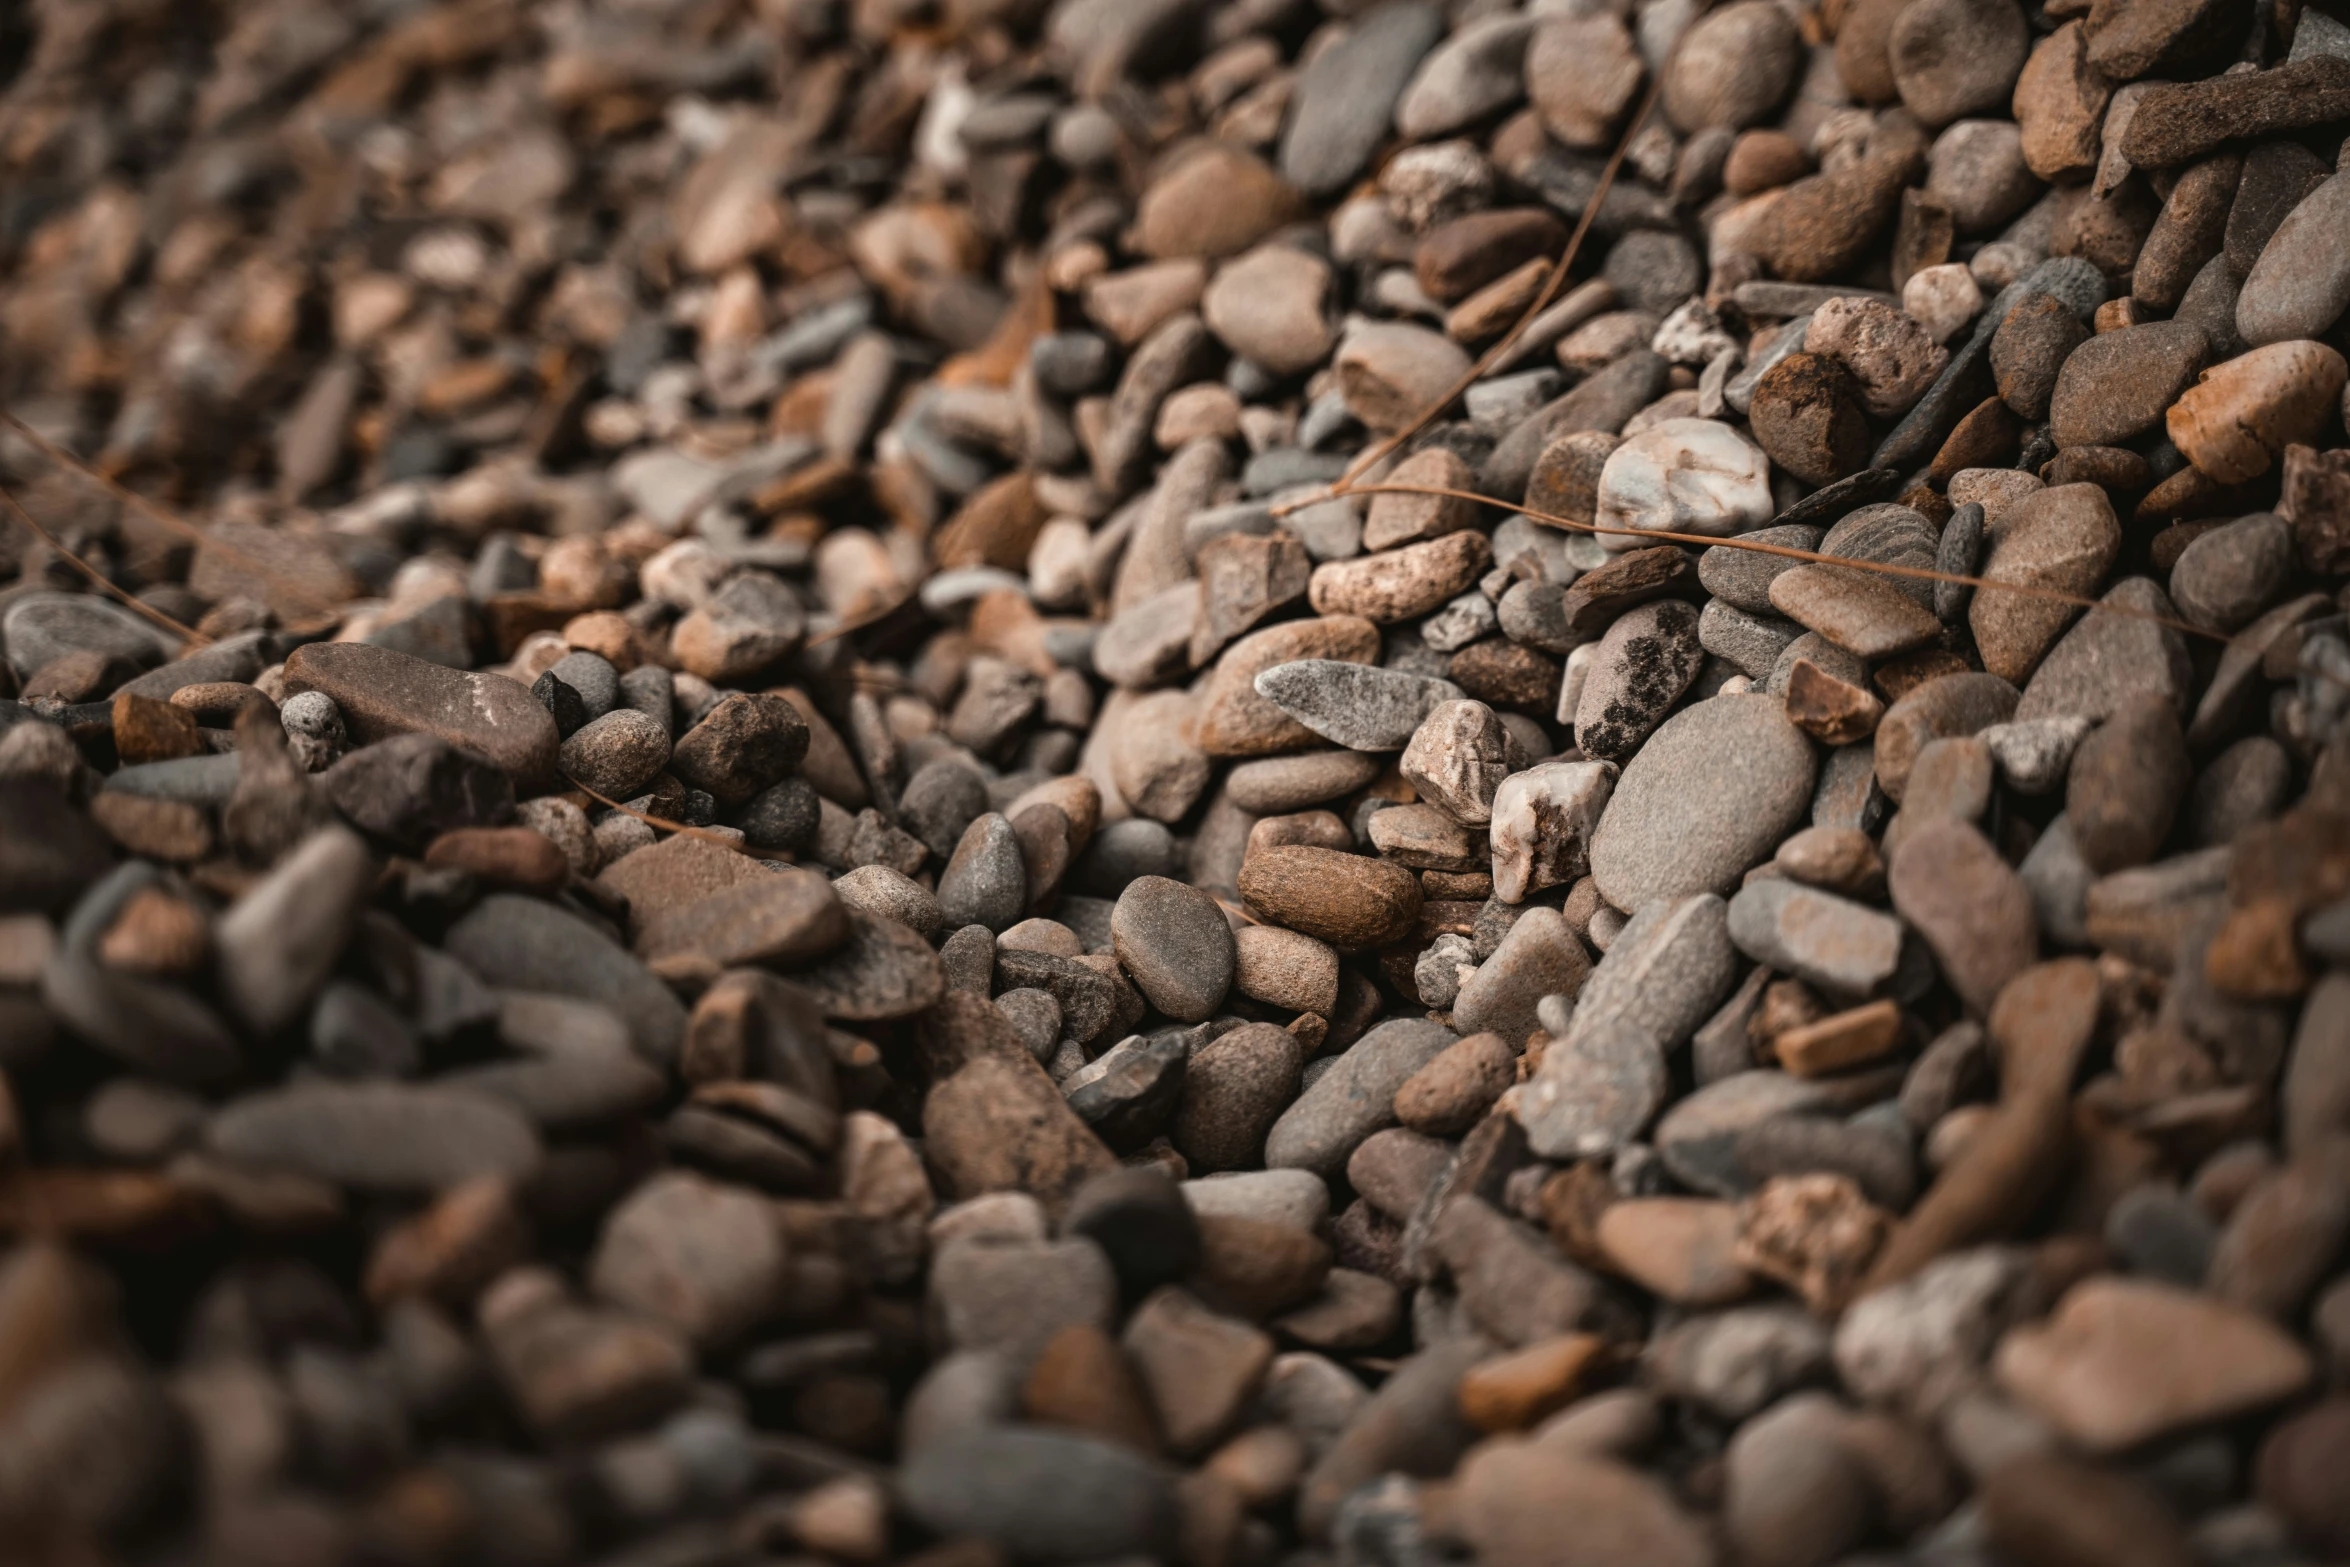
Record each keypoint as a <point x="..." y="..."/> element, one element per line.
<point x="1542" y="301"/>
<point x="664" y="824"/>
<point x="194" y="637"/>
<point x="1704" y="541"/>
<point x="164" y="519"/>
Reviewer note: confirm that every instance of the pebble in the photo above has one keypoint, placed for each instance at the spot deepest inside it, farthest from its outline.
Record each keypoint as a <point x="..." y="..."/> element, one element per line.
<point x="1174" y="943"/>
<point x="1541" y="956"/>
<point x="2064" y="538"/>
<point x="1040" y="1494"/>
<point x="1353" y="1098"/>
<point x="2237" y="420"/>
<point x="1708" y="797"/>
<point x="1542" y="822"/>
<point x="381" y="693"/>
<point x="2115" y="386"/>
<point x="1807" y="415"/>
<point x="1732" y="68"/>
<point x="1360" y="706"/>
<point x="1350" y="901"/>
<point x="1388" y="371"/>
<point x="1343" y="101"/>
<point x="2123" y="1361"/>
<point x="1475" y="71"/>
<point x="1974" y="911"/>
<point x="1861" y="612"/>
<point x="1841" y="946"/>
<point x="1268" y="305"/>
<point x="276" y="946"/>
<point x="1523" y="1503"/>
<point x="1682" y="476"/>
<point x="376" y="1137"/>
<point x="527" y="944"/>
<point x="2299" y="286"/>
<point x="1643" y="664"/>
<point x="1819" y="226"/>
<point x="616" y="755"/>
<point x="1235" y="1088"/>
<point x="1890" y="354"/>
<point x="2128" y="780"/>
<point x="2226" y="577"/>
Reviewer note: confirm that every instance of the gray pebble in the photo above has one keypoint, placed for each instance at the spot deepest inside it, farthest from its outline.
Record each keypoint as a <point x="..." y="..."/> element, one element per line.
<point x="1360" y="706"/>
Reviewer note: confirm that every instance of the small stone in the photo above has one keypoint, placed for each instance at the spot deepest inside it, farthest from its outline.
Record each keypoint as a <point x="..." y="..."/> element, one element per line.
<point x="1174" y="942"/>
<point x="1677" y="1248"/>
<point x="1518" y="1391"/>
<point x="1973" y="909"/>
<point x="2239" y="417"/>
<point x="1707" y="798"/>
<point x="1345" y="98"/>
<point x="1541" y="956"/>
<point x="1543" y="820"/>
<point x="1360" y="706"/>
<point x="1819" y="227"/>
<point x="1806" y="413"/>
<point x="2127" y="782"/>
<point x="1682" y="476"/>
<point x="2123" y="1361"/>
<point x="1040" y="1494"/>
<point x="1457" y="759"/>
<point x="705" y="1258"/>
<point x="2226" y="577"/>
<point x="1217" y="200"/>
<point x="376" y="1137"/>
<point x="1354" y="1098"/>
<point x="1401" y="584"/>
<point x="2115" y="386"/>
<point x="1285" y="968"/>
<point x="1953" y="58"/>
<point x="789" y="919"/>
<point x="984" y="883"/>
<point x="1892" y="358"/>
<point x="743" y="745"/>
<point x="617" y="755"/>
<point x="2064" y="538"/>
<point x="381" y="693"/>
<point x="1833" y="711"/>
<point x="1234" y="1090"/>
<point x="1841" y="946"/>
<point x="1732" y="68"/>
<point x="1388" y="371"/>
<point x="1582" y="73"/>
<point x="1398" y="518"/>
<point x="2060" y="103"/>
<point x="1859" y="611"/>
<point x="1475" y="71"/>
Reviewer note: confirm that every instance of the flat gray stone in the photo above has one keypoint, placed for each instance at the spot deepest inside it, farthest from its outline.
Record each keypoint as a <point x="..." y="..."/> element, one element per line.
<point x="1707" y="798"/>
<point x="1360" y="706"/>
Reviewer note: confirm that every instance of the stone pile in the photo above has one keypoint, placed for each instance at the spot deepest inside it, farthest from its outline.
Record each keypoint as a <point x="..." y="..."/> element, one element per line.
<point x="974" y="783"/>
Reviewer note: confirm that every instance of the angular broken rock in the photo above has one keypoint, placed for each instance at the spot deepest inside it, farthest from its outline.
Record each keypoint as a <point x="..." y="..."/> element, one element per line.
<point x="1360" y="706"/>
<point x="1542" y="820"/>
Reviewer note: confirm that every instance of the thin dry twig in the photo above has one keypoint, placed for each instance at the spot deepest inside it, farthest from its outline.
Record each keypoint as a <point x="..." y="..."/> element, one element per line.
<point x="1379" y="450"/>
<point x="165" y="519"/>
<point x="129" y="601"/>
<point x="664" y="824"/>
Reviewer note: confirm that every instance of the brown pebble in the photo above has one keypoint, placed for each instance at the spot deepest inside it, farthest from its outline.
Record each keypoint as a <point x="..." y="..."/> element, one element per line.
<point x="1348" y="900"/>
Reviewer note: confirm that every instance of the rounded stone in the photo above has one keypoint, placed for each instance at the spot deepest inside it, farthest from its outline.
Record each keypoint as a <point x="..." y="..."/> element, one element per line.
<point x="1733" y="67"/>
<point x="1175" y="943"/>
<point x="1708" y="797"/>
<point x="1234" y="1089"/>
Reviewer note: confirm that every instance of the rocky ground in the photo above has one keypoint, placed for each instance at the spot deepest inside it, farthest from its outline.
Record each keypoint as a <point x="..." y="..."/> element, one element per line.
<point x="971" y="782"/>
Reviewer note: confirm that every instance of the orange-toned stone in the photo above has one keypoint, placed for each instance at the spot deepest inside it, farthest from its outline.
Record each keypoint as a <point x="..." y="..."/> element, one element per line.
<point x="1518" y="1390"/>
